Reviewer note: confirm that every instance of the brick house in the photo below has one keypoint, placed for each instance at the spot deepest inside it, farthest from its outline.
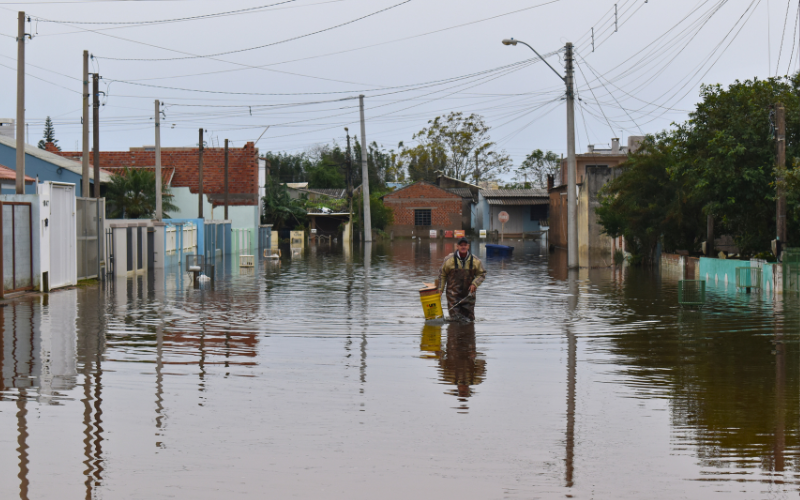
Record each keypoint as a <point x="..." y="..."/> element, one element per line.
<point x="423" y="206"/>
<point x="184" y="165"/>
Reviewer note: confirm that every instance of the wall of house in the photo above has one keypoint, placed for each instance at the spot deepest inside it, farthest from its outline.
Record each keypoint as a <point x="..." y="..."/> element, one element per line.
<point x="38" y="167"/>
<point x="595" y="249"/>
<point x="446" y="209"/>
<point x="241" y="216"/>
<point x="557" y="234"/>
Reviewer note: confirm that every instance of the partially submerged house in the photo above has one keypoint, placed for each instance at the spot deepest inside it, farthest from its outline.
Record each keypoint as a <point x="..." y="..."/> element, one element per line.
<point x="527" y="210"/>
<point x="594" y="169"/>
<point x="422" y="207"/>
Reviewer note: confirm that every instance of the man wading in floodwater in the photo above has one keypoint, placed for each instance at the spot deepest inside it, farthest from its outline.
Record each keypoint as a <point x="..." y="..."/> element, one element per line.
<point x="462" y="273"/>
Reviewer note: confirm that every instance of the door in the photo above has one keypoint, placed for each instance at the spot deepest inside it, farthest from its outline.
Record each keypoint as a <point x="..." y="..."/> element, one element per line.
<point x="151" y="249"/>
<point x="17" y="265"/>
<point x="63" y="237"/>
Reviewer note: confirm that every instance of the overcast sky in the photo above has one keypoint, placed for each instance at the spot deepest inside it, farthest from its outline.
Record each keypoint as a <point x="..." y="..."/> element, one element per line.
<point x="413" y="60"/>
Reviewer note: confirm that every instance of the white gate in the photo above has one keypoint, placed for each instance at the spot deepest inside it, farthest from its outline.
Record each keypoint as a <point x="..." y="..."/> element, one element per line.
<point x="63" y="236"/>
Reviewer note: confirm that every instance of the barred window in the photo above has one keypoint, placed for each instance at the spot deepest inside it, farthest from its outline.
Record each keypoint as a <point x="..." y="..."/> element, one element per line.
<point x="422" y="217"/>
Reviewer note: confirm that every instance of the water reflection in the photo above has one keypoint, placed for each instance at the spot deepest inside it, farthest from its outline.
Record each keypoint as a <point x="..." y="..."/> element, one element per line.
<point x="694" y="402"/>
<point x="461" y="365"/>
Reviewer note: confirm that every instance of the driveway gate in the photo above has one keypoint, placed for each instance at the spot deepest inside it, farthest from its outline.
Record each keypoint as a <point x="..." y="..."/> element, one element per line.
<point x="89" y="224"/>
<point x="16" y="239"/>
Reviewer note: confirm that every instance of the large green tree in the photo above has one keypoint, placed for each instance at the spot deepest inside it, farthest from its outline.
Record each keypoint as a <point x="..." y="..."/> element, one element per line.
<point x="132" y="195"/>
<point x="536" y="167"/>
<point x="280" y="209"/>
<point x="457" y="145"/>
<point x="721" y="162"/>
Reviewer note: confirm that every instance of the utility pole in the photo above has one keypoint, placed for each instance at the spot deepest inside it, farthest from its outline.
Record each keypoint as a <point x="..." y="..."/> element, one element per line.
<point x="349" y="162"/>
<point x="572" y="211"/>
<point x="20" y="166"/>
<point x="200" y="179"/>
<point x="780" y="125"/>
<point x="710" y="235"/>
<point x="365" y="175"/>
<point x="159" y="206"/>
<point x="96" y="132"/>
<point x="226" y="179"/>
<point x="85" y="187"/>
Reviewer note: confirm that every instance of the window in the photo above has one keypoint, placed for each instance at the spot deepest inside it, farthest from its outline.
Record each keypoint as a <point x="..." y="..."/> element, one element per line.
<point x="539" y="212"/>
<point x="422" y="217"/>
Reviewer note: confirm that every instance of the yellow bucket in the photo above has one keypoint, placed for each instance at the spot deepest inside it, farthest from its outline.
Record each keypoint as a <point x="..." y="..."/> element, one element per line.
<point x="431" y="303"/>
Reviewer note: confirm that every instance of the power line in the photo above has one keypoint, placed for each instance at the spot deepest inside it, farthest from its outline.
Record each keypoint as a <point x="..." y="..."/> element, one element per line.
<point x="238" y="51"/>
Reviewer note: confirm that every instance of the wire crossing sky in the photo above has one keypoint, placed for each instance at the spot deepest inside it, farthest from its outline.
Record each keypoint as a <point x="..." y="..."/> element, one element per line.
<point x="295" y="66"/>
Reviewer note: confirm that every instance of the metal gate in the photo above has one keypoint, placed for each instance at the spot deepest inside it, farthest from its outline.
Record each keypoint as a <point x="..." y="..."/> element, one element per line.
<point x="89" y="223"/>
<point x="63" y="251"/>
<point x="16" y="238"/>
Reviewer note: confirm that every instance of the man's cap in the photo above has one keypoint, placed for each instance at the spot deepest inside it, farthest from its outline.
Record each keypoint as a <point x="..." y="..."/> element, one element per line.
<point x="463" y="240"/>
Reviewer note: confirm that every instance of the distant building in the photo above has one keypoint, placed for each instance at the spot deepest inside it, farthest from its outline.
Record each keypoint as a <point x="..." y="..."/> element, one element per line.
<point x="8" y="181"/>
<point x="180" y="167"/>
<point x="527" y="210"/>
<point x="469" y="197"/>
<point x="421" y="207"/>
<point x="594" y="169"/>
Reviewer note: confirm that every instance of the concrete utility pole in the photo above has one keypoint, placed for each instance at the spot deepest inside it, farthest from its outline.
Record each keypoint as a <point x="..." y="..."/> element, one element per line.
<point x="365" y="175"/>
<point x="226" y="179"/>
<point x="780" y="125"/>
<point x="572" y="209"/>
<point x="96" y="132"/>
<point x="349" y="161"/>
<point x="20" y="167"/>
<point x="200" y="179"/>
<point x="85" y="187"/>
<point x="159" y="205"/>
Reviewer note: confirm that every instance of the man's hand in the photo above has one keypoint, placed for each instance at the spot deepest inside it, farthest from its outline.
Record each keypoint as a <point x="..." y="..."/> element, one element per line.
<point x="472" y="288"/>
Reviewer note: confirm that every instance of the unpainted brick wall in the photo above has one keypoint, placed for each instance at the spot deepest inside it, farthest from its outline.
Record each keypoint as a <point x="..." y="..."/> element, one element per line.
<point x="444" y="205"/>
<point x="242" y="167"/>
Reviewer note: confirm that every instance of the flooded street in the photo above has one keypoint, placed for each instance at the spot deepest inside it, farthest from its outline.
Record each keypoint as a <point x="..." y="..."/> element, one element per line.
<point x="316" y="377"/>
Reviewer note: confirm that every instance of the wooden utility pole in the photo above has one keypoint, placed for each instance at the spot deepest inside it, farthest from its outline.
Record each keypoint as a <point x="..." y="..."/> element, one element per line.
<point x="710" y="235"/>
<point x="226" y="179"/>
<point x="159" y="203"/>
<point x="85" y="186"/>
<point x="365" y="175"/>
<point x="780" y="126"/>
<point x="20" y="166"/>
<point x="96" y="132"/>
<point x="200" y="179"/>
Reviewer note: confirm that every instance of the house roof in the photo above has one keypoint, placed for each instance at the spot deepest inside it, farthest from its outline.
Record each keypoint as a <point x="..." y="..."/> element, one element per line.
<point x="518" y="201"/>
<point x="296" y="185"/>
<point x="54" y="159"/>
<point x="393" y="193"/>
<point x="462" y="192"/>
<point x="8" y="174"/>
<point x="514" y="193"/>
<point x="456" y="180"/>
<point x="333" y="193"/>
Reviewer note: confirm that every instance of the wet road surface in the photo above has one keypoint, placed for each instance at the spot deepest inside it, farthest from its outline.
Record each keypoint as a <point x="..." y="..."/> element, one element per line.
<point x="316" y="378"/>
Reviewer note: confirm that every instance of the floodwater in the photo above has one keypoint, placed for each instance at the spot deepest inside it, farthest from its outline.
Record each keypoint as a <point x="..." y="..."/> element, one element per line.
<point x="316" y="378"/>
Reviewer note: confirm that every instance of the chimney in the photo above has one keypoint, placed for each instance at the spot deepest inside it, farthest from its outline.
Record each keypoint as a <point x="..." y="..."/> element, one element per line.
<point x="590" y="147"/>
<point x="615" y="146"/>
<point x="550" y="181"/>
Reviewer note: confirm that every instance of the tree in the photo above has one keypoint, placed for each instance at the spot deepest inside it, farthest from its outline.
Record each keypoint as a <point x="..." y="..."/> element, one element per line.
<point x="49" y="135"/>
<point x="132" y="195"/>
<point x="537" y="166"/>
<point x="645" y="205"/>
<point x="458" y="146"/>
<point x="279" y="208"/>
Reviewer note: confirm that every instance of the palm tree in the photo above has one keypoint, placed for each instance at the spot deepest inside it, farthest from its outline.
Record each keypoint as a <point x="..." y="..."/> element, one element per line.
<point x="279" y="207"/>
<point x="132" y="195"/>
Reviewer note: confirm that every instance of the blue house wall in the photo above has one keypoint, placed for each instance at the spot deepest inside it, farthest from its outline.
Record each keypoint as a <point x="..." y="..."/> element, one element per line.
<point x="34" y="167"/>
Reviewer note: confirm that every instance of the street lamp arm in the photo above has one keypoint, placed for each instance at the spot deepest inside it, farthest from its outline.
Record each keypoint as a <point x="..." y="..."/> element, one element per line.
<point x="540" y="57"/>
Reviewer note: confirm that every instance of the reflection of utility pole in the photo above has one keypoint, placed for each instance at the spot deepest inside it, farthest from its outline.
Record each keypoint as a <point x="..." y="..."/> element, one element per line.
<point x="572" y="347"/>
<point x="780" y="385"/>
<point x="22" y="442"/>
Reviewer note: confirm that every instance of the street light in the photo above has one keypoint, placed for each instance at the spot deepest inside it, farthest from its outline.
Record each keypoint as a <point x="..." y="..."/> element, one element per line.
<point x="572" y="215"/>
